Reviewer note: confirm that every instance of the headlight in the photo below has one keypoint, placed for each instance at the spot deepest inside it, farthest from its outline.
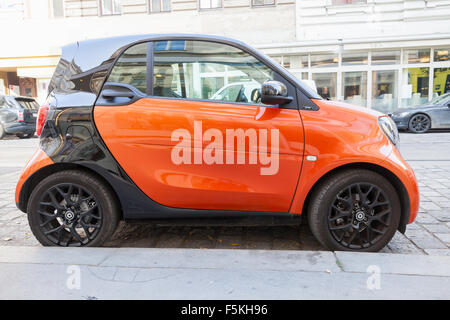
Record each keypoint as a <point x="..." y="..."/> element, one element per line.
<point x="389" y="128"/>
<point x="400" y="115"/>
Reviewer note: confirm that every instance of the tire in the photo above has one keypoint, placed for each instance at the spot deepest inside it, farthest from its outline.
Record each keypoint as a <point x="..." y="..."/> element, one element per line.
<point x="2" y="132"/>
<point x="419" y="123"/>
<point x="339" y="225"/>
<point x="88" y="208"/>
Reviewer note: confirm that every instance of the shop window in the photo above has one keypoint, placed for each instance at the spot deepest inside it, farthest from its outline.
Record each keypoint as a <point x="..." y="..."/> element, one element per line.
<point x="441" y="81"/>
<point x="416" y="56"/>
<point x="385" y="57"/>
<point x="324" y="60"/>
<point x="326" y="84"/>
<point x="354" y="58"/>
<point x="415" y="86"/>
<point x="384" y="90"/>
<point x="354" y="87"/>
<point x="441" y="54"/>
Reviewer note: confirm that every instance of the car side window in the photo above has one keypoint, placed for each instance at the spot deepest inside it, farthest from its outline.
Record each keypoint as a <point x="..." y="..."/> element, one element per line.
<point x="207" y="70"/>
<point x="131" y="68"/>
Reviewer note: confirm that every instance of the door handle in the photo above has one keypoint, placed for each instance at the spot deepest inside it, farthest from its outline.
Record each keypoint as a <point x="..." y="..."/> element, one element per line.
<point x="110" y="94"/>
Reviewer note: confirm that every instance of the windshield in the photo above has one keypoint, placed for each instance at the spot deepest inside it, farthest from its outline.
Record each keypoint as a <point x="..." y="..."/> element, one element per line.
<point x="440" y="99"/>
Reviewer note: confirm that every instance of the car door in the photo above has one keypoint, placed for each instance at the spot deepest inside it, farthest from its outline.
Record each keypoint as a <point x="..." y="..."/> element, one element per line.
<point x="186" y="150"/>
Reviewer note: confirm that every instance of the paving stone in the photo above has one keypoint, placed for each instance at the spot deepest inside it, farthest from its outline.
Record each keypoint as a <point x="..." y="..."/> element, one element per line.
<point x="438" y="252"/>
<point x="443" y="216"/>
<point x="445" y="237"/>
<point x="425" y="218"/>
<point x="429" y="206"/>
<point x="437" y="228"/>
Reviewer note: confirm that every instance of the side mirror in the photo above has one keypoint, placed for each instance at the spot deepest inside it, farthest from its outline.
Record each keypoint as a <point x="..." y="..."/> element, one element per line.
<point x="274" y="93"/>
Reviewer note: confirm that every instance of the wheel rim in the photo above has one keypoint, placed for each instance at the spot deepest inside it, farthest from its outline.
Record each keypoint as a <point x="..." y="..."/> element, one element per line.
<point x="420" y="123"/>
<point x="359" y="216"/>
<point x="69" y="215"/>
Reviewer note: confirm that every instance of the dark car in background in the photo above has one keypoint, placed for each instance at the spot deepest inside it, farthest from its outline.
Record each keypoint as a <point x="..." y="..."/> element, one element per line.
<point x="420" y="119"/>
<point x="18" y="116"/>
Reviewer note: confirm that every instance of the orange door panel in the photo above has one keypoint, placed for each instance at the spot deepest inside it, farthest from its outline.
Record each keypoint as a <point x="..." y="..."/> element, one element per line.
<point x="140" y="138"/>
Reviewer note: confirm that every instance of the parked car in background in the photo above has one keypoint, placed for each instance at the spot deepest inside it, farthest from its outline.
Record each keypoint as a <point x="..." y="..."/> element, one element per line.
<point x="18" y="116"/>
<point x="420" y="119"/>
<point x="237" y="92"/>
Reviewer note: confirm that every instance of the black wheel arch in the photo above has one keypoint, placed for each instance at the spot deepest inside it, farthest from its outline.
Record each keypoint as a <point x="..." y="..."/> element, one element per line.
<point x="44" y="172"/>
<point x="391" y="177"/>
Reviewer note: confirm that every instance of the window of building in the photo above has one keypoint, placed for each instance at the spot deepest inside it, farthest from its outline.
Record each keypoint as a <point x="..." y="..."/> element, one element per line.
<point x="207" y="70"/>
<point x="324" y="60"/>
<point x="416" y="56"/>
<point x="441" y="54"/>
<point x="210" y="4"/>
<point x="384" y="90"/>
<point x="131" y="68"/>
<point x="326" y="84"/>
<point x="341" y="2"/>
<point x="385" y="57"/>
<point x="415" y="86"/>
<point x="57" y="9"/>
<point x="159" y="5"/>
<point x="110" y="7"/>
<point x="441" y="81"/>
<point x="258" y="3"/>
<point x="354" y="87"/>
<point x="354" y="58"/>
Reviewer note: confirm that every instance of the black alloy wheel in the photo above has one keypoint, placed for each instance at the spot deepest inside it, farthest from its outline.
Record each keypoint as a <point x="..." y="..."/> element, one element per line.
<point x="419" y="123"/>
<point x="354" y="210"/>
<point x="359" y="216"/>
<point x="72" y="209"/>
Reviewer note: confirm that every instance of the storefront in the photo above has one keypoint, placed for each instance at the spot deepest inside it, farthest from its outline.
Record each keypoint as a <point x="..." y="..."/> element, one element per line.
<point x="385" y="80"/>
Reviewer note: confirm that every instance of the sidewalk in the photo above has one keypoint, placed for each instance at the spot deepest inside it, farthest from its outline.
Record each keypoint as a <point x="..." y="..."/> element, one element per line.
<point x="131" y="273"/>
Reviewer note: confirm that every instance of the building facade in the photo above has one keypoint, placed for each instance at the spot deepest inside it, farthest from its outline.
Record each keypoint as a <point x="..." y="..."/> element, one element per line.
<point x="381" y="54"/>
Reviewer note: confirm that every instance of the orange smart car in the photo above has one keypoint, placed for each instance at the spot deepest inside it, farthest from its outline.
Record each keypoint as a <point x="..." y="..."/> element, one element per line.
<point x="194" y="128"/>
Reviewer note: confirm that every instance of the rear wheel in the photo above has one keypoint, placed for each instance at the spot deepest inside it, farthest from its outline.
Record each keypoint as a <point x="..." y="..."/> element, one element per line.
<point x="419" y="123"/>
<point x="355" y="210"/>
<point x="72" y="208"/>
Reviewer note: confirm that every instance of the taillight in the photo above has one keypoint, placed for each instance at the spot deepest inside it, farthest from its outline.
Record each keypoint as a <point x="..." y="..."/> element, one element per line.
<point x="41" y="118"/>
<point x="20" y="116"/>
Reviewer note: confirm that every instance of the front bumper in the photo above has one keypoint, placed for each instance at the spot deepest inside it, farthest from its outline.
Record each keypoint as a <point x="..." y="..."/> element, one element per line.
<point x="20" y="127"/>
<point x="401" y="123"/>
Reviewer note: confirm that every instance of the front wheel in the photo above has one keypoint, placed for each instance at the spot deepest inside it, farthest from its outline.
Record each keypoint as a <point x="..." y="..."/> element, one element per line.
<point x="419" y="123"/>
<point x="354" y="210"/>
<point x="72" y="208"/>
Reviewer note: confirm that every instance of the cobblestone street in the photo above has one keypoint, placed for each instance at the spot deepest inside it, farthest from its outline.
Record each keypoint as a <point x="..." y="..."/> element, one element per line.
<point x="430" y="234"/>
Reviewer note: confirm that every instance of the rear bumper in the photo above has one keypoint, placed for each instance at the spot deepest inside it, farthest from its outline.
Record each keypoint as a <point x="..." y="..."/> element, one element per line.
<point x="38" y="161"/>
<point x="20" y="127"/>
